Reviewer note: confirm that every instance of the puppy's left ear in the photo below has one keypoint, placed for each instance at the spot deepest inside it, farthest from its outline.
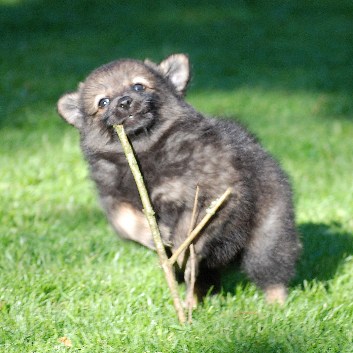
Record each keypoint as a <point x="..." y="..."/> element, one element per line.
<point x="176" y="68"/>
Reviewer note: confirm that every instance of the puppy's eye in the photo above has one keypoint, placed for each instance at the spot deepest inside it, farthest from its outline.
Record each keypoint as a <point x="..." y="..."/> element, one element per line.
<point x="104" y="102"/>
<point x="138" y="87"/>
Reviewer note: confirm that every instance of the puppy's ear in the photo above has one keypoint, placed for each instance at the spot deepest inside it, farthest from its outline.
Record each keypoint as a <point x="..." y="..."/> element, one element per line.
<point x="68" y="108"/>
<point x="177" y="69"/>
<point x="150" y="63"/>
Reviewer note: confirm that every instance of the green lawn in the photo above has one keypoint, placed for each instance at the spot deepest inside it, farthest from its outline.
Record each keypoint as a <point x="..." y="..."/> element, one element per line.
<point x="284" y="68"/>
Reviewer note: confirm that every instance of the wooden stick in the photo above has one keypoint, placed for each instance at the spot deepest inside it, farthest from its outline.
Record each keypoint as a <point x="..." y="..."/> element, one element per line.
<point x="148" y="210"/>
<point x="190" y="293"/>
<point x="211" y="210"/>
<point x="191" y="285"/>
<point x="194" y="210"/>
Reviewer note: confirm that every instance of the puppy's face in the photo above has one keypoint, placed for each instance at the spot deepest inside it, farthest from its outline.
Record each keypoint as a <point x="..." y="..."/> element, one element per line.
<point x="126" y="92"/>
<point x="122" y="93"/>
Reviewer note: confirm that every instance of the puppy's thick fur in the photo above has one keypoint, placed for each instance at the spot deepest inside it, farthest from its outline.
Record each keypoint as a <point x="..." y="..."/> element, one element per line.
<point x="178" y="149"/>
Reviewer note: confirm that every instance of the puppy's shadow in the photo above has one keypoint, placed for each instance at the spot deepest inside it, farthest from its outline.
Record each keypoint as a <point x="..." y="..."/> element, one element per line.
<point x="325" y="247"/>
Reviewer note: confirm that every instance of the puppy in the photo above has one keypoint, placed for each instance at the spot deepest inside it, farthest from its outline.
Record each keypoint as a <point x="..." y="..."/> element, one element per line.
<point x="177" y="149"/>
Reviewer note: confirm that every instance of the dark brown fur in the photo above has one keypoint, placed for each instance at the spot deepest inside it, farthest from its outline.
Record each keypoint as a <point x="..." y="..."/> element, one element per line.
<point x="177" y="149"/>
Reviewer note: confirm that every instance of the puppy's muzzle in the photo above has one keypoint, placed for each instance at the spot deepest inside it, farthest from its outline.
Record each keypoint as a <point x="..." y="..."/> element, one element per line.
<point x="119" y="111"/>
<point x="124" y="103"/>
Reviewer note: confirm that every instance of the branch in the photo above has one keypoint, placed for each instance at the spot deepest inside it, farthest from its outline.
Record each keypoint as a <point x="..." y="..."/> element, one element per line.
<point x="211" y="210"/>
<point x="191" y="286"/>
<point x="148" y="210"/>
<point x="190" y="293"/>
<point x="194" y="210"/>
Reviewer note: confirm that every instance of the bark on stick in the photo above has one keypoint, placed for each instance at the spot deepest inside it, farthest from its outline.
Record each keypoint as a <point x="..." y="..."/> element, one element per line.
<point x="149" y="212"/>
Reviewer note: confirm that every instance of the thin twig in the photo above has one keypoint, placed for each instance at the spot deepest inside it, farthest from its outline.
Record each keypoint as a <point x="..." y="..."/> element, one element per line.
<point x="194" y="210"/>
<point x="209" y="213"/>
<point x="148" y="210"/>
<point x="190" y="293"/>
<point x="191" y="284"/>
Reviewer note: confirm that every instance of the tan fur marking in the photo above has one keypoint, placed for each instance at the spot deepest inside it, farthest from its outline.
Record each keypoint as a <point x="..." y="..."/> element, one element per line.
<point x="142" y="80"/>
<point x="276" y="294"/>
<point x="132" y="224"/>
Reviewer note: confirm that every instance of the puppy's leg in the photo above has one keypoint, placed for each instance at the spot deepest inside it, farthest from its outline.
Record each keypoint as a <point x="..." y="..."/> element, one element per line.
<point x="276" y="294"/>
<point x="271" y="276"/>
<point x="131" y="224"/>
<point x="191" y="271"/>
<point x="208" y="281"/>
<point x="270" y="257"/>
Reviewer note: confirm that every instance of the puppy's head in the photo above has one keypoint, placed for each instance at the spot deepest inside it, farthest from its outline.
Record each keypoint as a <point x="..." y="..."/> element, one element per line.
<point x="127" y="92"/>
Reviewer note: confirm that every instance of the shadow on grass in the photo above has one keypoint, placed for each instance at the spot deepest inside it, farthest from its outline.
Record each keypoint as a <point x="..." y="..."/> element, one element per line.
<point x="325" y="246"/>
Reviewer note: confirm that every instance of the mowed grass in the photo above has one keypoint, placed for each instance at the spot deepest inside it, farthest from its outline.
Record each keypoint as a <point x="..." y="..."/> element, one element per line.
<point x="283" y="68"/>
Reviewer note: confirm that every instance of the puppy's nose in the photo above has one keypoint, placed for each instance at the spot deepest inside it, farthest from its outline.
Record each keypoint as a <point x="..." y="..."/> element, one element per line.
<point x="125" y="102"/>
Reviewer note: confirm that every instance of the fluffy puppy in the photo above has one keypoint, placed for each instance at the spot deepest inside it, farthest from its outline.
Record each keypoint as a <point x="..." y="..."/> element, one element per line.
<point x="177" y="149"/>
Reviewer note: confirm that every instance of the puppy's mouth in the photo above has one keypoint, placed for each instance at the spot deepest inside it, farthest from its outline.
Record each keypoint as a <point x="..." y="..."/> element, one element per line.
<point x="127" y="118"/>
<point x="133" y="113"/>
<point x="133" y="122"/>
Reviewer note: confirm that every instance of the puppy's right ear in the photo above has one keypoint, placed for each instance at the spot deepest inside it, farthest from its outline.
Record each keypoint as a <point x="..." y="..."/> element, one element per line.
<point x="68" y="108"/>
<point x="176" y="68"/>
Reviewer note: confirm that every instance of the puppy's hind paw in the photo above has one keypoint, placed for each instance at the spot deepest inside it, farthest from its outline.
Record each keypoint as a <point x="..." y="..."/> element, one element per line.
<point x="276" y="294"/>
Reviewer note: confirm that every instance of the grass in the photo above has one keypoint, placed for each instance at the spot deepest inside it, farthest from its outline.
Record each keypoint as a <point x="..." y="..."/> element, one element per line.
<point x="283" y="68"/>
